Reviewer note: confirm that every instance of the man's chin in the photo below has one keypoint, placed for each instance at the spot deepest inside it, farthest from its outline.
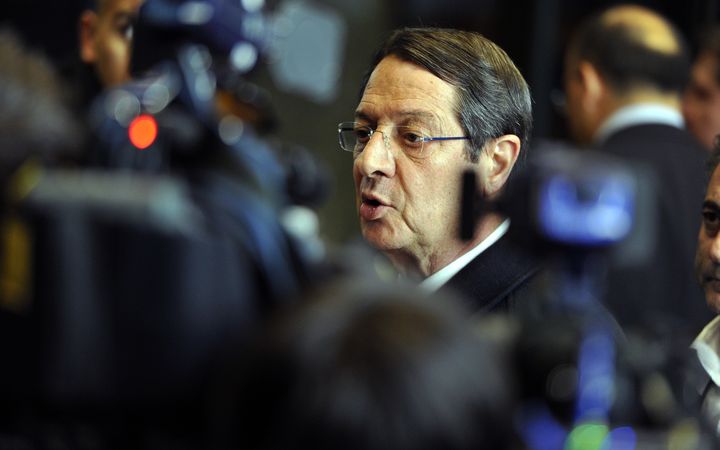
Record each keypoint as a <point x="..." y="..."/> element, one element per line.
<point x="712" y="298"/>
<point x="379" y="236"/>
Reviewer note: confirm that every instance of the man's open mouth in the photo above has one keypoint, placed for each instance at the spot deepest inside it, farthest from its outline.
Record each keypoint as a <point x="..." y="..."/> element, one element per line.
<point x="372" y="208"/>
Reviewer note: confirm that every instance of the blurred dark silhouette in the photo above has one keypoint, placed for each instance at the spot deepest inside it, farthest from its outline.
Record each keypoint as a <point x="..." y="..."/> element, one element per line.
<point x="362" y="365"/>
<point x="34" y="120"/>
<point x="131" y="286"/>
<point x="36" y="128"/>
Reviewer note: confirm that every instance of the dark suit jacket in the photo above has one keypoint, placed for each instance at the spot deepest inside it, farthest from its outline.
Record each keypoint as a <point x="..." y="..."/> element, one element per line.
<point x="663" y="290"/>
<point x="497" y="279"/>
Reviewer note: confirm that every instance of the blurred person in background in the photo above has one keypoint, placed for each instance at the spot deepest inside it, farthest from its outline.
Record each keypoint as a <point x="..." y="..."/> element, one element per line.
<point x="701" y="103"/>
<point x="437" y="102"/>
<point x="625" y="69"/>
<point x="34" y="121"/>
<point x="105" y="32"/>
<point x="35" y="127"/>
<point x="371" y="366"/>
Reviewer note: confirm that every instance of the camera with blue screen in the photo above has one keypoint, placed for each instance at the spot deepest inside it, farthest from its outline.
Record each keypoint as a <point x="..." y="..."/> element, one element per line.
<point x="566" y="199"/>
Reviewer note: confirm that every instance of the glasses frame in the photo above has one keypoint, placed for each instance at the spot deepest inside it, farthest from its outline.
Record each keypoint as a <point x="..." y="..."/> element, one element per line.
<point x="351" y="126"/>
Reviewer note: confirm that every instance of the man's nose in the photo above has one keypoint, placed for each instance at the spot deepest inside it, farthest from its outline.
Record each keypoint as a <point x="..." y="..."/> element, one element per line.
<point x="377" y="158"/>
<point x="714" y="251"/>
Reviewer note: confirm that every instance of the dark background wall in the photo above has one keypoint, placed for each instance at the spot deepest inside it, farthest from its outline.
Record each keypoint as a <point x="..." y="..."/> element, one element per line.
<point x="532" y="32"/>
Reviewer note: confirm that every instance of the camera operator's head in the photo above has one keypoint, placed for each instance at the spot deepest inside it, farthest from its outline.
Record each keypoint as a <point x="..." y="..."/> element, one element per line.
<point x="434" y="103"/>
<point x="366" y="366"/>
<point x="707" y="258"/>
<point x="106" y="31"/>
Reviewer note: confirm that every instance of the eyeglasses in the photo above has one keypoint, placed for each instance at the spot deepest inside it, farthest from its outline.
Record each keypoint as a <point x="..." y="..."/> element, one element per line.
<point x="354" y="137"/>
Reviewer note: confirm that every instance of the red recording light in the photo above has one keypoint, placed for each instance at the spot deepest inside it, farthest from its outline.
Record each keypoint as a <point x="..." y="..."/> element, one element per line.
<point x="143" y="131"/>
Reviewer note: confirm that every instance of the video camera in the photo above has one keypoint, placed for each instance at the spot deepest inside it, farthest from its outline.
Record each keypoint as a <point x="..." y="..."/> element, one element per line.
<point x="152" y="265"/>
<point x="586" y="382"/>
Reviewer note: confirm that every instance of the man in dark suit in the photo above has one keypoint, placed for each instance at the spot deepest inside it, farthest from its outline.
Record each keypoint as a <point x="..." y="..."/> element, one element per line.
<point x="437" y="102"/>
<point x="624" y="72"/>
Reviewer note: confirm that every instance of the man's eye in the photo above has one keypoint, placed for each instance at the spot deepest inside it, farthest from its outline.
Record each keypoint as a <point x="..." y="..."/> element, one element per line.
<point x="127" y="32"/>
<point x="363" y="134"/>
<point x="413" y="138"/>
<point x="126" y="28"/>
<point x="711" y="220"/>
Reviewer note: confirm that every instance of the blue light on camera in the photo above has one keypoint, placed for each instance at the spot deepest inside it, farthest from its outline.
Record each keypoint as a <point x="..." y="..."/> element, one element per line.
<point x="594" y="212"/>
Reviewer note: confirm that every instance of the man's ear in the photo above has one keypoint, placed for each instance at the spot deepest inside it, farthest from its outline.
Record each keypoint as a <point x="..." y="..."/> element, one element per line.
<point x="500" y="157"/>
<point x="87" y="29"/>
<point x="593" y="86"/>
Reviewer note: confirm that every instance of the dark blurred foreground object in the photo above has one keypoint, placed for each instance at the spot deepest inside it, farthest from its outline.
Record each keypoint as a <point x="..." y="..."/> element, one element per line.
<point x="36" y="128"/>
<point x="134" y="280"/>
<point x="585" y="382"/>
<point x="589" y="214"/>
<point x="571" y="210"/>
<point x="34" y="123"/>
<point x="363" y="365"/>
<point x="581" y="390"/>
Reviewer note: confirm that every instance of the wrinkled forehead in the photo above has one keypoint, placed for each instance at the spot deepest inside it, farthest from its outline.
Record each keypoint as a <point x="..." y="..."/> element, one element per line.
<point x="713" y="190"/>
<point x="398" y="90"/>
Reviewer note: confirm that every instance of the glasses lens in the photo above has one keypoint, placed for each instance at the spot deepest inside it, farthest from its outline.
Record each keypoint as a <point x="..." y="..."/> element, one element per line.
<point x="351" y="140"/>
<point x="353" y="137"/>
<point x="347" y="136"/>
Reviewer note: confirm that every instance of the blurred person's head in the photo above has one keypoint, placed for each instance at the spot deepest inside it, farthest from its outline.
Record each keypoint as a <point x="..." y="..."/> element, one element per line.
<point x="427" y="83"/>
<point x="701" y="103"/>
<point x="34" y="120"/>
<point x="625" y="55"/>
<point x="373" y="367"/>
<point x="707" y="257"/>
<point x="106" y="39"/>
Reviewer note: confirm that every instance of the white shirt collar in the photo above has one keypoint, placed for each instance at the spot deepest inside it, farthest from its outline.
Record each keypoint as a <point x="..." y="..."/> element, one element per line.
<point x="639" y="114"/>
<point x="707" y="346"/>
<point x="439" y="278"/>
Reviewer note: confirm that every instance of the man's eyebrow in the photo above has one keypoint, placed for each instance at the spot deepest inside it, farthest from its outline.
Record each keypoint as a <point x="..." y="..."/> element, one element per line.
<point x="404" y="116"/>
<point x="359" y="115"/>
<point x="424" y="116"/>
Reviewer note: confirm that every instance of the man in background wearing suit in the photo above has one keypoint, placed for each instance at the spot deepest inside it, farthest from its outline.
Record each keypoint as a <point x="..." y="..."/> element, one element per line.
<point x="625" y="69"/>
<point x="701" y="103"/>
